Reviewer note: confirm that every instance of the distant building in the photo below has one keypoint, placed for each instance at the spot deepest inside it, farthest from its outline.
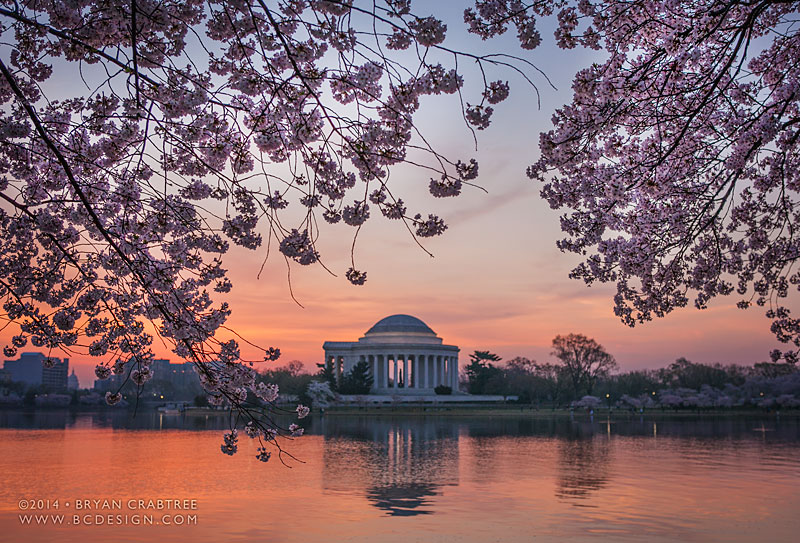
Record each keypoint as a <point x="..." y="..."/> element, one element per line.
<point x="72" y="381"/>
<point x="404" y="356"/>
<point x="30" y="370"/>
<point x="169" y="380"/>
<point x="160" y="365"/>
<point x="183" y="375"/>
<point x="111" y="384"/>
<point x="55" y="377"/>
<point x="179" y="375"/>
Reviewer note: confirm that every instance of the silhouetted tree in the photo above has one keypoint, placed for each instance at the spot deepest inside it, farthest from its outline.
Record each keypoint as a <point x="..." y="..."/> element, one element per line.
<point x="583" y="360"/>
<point x="358" y="380"/>
<point x="687" y="374"/>
<point x="774" y="369"/>
<point x="632" y="383"/>
<point x="290" y="378"/>
<point x="533" y="382"/>
<point x="480" y="371"/>
<point x="328" y="374"/>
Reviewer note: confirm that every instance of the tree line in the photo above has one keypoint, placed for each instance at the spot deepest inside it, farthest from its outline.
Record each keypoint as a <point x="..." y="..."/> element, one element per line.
<point x="584" y="374"/>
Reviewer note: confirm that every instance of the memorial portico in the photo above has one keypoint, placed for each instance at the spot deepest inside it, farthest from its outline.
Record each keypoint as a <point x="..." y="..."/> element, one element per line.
<point x="404" y="356"/>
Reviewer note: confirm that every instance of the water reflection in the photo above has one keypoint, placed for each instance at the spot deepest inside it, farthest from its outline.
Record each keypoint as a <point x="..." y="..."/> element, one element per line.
<point x="583" y="468"/>
<point x="398" y="465"/>
<point x="117" y="419"/>
<point x="786" y="428"/>
<point x="403" y="500"/>
<point x="502" y="478"/>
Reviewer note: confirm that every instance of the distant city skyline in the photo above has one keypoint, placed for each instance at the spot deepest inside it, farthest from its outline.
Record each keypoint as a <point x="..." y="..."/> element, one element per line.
<point x="28" y="368"/>
<point x="720" y="334"/>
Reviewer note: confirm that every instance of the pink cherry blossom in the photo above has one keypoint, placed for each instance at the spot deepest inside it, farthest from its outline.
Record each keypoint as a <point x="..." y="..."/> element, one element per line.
<point x="677" y="160"/>
<point x="201" y="125"/>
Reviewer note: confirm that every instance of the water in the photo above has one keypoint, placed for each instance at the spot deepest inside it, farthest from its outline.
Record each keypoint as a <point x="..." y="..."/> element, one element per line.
<point x="480" y="479"/>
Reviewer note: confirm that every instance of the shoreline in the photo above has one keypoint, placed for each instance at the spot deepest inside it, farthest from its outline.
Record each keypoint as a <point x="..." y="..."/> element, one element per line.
<point x="427" y="410"/>
<point x="552" y="413"/>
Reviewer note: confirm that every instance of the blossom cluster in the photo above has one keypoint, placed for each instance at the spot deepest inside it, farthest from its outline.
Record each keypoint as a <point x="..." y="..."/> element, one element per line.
<point x="678" y="160"/>
<point x="203" y="124"/>
<point x="229" y="442"/>
<point x="492" y="17"/>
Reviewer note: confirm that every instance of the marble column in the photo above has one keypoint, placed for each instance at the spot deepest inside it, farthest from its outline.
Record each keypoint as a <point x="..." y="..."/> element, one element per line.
<point x="405" y="371"/>
<point x="384" y="362"/>
<point x="396" y="367"/>
<point x="428" y="371"/>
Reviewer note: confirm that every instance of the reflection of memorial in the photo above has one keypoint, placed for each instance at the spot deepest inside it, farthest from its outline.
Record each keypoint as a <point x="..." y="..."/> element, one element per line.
<point x="397" y="464"/>
<point x="583" y="466"/>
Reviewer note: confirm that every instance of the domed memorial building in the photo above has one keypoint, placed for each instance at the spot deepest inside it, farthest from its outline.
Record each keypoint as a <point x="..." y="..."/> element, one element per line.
<point x="404" y="355"/>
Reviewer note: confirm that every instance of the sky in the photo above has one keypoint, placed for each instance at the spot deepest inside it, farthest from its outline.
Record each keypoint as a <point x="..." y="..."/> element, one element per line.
<point x="496" y="280"/>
